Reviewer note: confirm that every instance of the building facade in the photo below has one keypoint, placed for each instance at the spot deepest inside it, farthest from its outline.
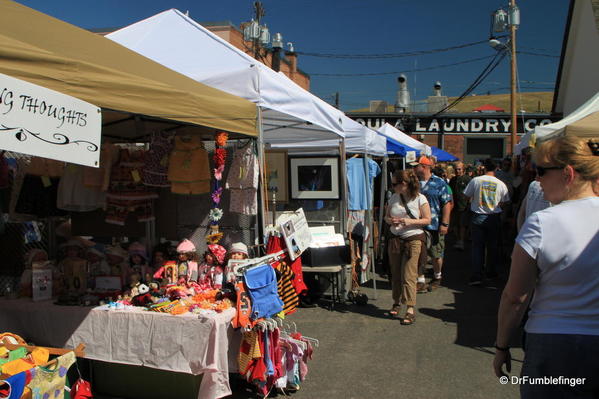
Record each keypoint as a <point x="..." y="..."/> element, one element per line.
<point x="468" y="136"/>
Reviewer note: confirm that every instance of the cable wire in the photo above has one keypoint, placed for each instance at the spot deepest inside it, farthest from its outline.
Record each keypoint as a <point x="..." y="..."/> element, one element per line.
<point x="479" y="79"/>
<point x="391" y="55"/>
<point x="404" y="71"/>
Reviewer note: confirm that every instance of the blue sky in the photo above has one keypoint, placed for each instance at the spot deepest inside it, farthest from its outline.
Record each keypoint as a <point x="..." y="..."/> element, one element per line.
<point x="368" y="27"/>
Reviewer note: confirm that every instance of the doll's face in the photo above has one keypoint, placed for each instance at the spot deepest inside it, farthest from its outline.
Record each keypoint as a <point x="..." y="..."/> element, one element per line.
<point x="159" y="258"/>
<point x="210" y="259"/>
<point x="238" y="255"/>
<point x="72" y="252"/>
<point x="183" y="257"/>
<point x="137" y="260"/>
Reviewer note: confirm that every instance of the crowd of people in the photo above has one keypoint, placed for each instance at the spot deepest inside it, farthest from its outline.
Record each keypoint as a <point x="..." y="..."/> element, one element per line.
<point x="538" y="215"/>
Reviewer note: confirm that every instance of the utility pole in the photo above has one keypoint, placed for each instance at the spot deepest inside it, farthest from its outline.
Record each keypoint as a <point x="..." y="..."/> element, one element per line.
<point x="258" y="14"/>
<point x="337" y="100"/>
<point x="513" y="105"/>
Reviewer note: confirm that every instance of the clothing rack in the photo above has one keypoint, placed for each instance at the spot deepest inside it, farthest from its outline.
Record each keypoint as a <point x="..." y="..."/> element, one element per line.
<point x="255" y="262"/>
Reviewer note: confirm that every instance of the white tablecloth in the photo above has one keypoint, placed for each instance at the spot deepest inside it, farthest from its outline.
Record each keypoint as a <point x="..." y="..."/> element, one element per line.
<point x="186" y="343"/>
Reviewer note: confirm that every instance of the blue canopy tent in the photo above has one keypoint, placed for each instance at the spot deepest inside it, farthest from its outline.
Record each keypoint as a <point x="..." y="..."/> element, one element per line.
<point x="442" y="156"/>
<point x="396" y="148"/>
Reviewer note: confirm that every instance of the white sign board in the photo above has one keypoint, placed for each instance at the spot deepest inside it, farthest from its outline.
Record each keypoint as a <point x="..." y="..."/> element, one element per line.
<point x="41" y="280"/>
<point x="296" y="232"/>
<point x="410" y="156"/>
<point x="45" y="123"/>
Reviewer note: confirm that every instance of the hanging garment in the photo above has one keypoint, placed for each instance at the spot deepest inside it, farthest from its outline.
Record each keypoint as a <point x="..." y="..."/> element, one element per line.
<point x="14" y="386"/>
<point x="188" y="167"/>
<point x="243" y="307"/>
<point x="38" y="197"/>
<point x="243" y="181"/>
<point x="262" y="287"/>
<point x="285" y="288"/>
<point x="155" y="171"/>
<point x="48" y="382"/>
<point x="99" y="178"/>
<point x="248" y="351"/>
<point x="276" y="244"/>
<point x="74" y="196"/>
<point x="126" y="192"/>
<point x="360" y="192"/>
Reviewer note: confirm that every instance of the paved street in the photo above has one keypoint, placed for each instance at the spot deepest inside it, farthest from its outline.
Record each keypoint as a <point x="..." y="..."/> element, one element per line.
<point x="447" y="353"/>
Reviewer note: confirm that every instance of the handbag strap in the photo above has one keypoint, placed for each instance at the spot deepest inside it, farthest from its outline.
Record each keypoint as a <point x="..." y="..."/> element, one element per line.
<point x="403" y="201"/>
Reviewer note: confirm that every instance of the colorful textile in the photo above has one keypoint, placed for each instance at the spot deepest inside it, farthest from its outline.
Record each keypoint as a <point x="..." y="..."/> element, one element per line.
<point x="276" y="244"/>
<point x="188" y="167"/>
<point x="286" y="289"/>
<point x="155" y="170"/>
<point x="243" y="181"/>
<point x="48" y="382"/>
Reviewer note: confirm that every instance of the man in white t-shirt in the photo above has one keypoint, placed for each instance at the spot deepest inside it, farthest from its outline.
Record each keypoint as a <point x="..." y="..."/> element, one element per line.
<point x="487" y="194"/>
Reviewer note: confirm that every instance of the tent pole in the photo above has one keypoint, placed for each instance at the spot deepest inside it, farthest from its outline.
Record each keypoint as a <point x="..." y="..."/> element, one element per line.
<point x="343" y="206"/>
<point x="261" y="219"/>
<point x="366" y="243"/>
<point x="382" y="205"/>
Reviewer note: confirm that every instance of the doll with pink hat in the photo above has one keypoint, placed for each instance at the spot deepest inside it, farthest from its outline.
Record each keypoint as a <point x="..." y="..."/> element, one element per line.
<point x="187" y="265"/>
<point x="211" y="271"/>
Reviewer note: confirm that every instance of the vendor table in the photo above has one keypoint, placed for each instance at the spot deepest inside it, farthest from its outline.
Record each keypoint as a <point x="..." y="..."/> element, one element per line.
<point x="189" y="343"/>
<point x="336" y="276"/>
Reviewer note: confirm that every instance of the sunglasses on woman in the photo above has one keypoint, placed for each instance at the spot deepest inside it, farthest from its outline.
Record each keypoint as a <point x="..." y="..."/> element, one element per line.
<point x="541" y="170"/>
<point x="398" y="183"/>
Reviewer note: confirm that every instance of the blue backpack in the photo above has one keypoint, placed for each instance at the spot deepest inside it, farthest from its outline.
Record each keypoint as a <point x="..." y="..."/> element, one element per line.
<point x="261" y="282"/>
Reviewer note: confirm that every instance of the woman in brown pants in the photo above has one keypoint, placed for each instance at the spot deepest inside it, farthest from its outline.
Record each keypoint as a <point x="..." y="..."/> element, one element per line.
<point x="407" y="213"/>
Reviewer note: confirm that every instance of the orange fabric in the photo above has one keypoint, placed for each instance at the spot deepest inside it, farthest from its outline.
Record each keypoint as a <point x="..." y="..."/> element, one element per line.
<point x="188" y="168"/>
<point x="40" y="356"/>
<point x="17" y="366"/>
<point x="243" y="306"/>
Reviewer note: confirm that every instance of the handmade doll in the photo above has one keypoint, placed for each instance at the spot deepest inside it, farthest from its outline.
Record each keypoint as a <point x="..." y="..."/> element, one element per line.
<point x="96" y="263"/>
<point x="211" y="271"/>
<point x="32" y="256"/>
<point x="116" y="258"/>
<point x="138" y="269"/>
<point x="73" y="267"/>
<point x="187" y="262"/>
<point x="238" y="251"/>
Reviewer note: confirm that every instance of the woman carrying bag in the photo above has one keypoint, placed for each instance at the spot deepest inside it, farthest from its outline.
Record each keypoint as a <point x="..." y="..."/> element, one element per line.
<point x="407" y="213"/>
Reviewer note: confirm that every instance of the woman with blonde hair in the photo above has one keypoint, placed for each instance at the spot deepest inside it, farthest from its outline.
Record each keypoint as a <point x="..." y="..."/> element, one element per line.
<point x="556" y="255"/>
<point x="408" y="212"/>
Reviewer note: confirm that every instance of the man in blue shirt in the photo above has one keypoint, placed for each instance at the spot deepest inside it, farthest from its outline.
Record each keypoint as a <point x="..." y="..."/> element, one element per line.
<point x="436" y="192"/>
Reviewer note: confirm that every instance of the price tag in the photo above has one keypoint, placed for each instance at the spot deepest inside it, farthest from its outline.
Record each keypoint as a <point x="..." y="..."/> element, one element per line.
<point x="136" y="176"/>
<point x="46" y="181"/>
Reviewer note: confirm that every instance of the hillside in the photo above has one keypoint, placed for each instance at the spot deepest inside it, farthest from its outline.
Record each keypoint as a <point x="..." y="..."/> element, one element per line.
<point x="530" y="102"/>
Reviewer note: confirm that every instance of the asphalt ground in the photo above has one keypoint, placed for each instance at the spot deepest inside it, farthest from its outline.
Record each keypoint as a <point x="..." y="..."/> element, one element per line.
<point x="447" y="353"/>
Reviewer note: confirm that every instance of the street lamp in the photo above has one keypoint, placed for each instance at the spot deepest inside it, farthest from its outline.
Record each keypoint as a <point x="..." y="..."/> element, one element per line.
<point x="502" y="20"/>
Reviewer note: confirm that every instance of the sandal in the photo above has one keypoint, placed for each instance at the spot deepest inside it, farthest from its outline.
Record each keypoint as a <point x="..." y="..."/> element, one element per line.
<point x="409" y="319"/>
<point x="395" y="309"/>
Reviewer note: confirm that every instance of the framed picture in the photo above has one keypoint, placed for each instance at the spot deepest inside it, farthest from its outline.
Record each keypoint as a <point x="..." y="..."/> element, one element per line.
<point x="314" y="178"/>
<point x="277" y="175"/>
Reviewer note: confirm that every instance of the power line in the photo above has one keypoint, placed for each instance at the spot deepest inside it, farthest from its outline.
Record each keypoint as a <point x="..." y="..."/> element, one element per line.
<point x="391" y="55"/>
<point x="499" y="56"/>
<point x="404" y="71"/>
<point x="537" y="54"/>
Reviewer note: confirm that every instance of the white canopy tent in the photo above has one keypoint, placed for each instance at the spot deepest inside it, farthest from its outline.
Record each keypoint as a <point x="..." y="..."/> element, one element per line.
<point x="358" y="139"/>
<point x="176" y="41"/>
<point x="395" y="134"/>
<point x="581" y="116"/>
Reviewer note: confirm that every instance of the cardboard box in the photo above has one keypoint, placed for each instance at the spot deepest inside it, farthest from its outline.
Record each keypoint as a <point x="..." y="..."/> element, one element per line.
<point x="326" y="256"/>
